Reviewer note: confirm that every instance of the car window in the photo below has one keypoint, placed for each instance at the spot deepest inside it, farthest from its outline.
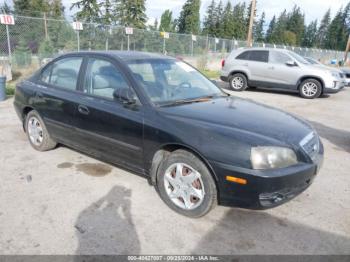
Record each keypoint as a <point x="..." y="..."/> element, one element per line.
<point x="174" y="81"/>
<point x="243" y="56"/>
<point x="144" y="72"/>
<point x="259" y="56"/>
<point x="102" y="79"/>
<point x="63" y="73"/>
<point x="279" y="57"/>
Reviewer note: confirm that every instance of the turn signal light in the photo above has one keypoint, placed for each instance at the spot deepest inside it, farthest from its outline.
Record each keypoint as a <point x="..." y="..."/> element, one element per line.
<point x="236" y="180"/>
<point x="222" y="62"/>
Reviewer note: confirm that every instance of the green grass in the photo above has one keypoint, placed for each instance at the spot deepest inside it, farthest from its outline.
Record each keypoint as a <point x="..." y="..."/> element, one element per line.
<point x="211" y="74"/>
<point x="10" y="88"/>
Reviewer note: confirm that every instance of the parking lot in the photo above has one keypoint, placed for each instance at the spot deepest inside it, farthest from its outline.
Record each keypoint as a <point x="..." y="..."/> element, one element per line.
<point x="64" y="202"/>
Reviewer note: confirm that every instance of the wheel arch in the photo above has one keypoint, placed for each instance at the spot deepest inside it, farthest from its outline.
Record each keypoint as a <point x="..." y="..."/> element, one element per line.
<point x="165" y="150"/>
<point x="25" y="112"/>
<point x="303" y="78"/>
<point x="239" y="72"/>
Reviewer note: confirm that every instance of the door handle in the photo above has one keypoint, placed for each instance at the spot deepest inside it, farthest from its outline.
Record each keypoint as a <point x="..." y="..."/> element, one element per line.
<point x="271" y="67"/>
<point x="83" y="110"/>
<point x="245" y="64"/>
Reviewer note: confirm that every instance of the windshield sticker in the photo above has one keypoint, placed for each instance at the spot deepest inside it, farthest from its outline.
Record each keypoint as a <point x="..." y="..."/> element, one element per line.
<point x="185" y="66"/>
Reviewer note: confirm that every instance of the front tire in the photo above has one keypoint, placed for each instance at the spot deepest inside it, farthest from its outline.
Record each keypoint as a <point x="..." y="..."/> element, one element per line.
<point x="238" y="82"/>
<point x="37" y="133"/>
<point x="186" y="185"/>
<point x="310" y="88"/>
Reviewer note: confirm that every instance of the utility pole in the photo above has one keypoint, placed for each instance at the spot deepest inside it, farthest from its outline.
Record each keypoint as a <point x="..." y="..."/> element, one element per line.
<point x="347" y="50"/>
<point x="251" y="22"/>
<point x="45" y="27"/>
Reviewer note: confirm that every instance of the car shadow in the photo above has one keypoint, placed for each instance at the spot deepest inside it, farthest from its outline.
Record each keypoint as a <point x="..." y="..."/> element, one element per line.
<point x="106" y="226"/>
<point x="338" y="137"/>
<point x="226" y="86"/>
<point x="258" y="232"/>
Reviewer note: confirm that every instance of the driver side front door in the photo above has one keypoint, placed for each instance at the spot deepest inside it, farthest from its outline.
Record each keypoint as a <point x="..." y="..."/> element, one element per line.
<point x="107" y="127"/>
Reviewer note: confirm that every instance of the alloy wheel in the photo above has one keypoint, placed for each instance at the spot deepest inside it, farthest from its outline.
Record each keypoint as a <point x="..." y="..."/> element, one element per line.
<point x="35" y="131"/>
<point x="184" y="186"/>
<point x="309" y="89"/>
<point x="237" y="82"/>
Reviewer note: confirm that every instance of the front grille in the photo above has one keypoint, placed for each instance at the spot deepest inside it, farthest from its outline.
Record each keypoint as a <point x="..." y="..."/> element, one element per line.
<point x="311" y="145"/>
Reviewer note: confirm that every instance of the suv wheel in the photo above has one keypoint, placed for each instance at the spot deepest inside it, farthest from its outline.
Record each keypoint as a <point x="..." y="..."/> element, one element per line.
<point x="37" y="133"/>
<point x="310" y="88"/>
<point x="238" y="82"/>
<point x="185" y="184"/>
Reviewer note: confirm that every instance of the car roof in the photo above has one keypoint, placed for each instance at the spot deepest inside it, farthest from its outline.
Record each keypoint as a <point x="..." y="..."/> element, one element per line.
<point x="124" y="55"/>
<point x="263" y="49"/>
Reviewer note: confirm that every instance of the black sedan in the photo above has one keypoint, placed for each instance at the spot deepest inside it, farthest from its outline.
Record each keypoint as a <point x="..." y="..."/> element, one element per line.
<point x="160" y="118"/>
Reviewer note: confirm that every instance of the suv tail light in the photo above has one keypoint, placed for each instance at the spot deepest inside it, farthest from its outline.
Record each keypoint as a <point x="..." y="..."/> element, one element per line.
<point x="222" y="62"/>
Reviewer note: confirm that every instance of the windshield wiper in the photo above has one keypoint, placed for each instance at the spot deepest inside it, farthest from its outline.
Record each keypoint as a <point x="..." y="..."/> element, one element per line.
<point x="189" y="101"/>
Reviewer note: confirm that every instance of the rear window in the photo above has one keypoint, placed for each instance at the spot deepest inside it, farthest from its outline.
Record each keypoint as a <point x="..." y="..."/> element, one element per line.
<point x="243" y="56"/>
<point x="259" y="56"/>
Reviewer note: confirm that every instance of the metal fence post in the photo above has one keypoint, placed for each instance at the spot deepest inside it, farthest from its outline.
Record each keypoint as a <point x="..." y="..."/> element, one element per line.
<point x="8" y="43"/>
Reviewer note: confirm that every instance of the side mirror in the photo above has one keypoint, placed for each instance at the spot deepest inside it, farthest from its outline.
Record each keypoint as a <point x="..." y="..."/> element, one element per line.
<point x="291" y="63"/>
<point x="125" y="95"/>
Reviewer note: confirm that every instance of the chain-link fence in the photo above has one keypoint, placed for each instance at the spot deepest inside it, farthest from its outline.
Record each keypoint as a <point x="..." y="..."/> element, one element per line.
<point x="33" y="40"/>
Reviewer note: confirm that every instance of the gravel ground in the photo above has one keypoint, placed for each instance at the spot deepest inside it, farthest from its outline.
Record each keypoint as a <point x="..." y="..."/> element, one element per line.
<point x="64" y="202"/>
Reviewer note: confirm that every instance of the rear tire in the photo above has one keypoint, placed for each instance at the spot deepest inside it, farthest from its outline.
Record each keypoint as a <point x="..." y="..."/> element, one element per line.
<point x="310" y="88"/>
<point x="238" y="82"/>
<point x="186" y="185"/>
<point x="37" y="133"/>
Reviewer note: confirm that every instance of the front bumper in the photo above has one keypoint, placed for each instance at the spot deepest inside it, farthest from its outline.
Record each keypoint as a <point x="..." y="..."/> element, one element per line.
<point x="265" y="188"/>
<point x="334" y="87"/>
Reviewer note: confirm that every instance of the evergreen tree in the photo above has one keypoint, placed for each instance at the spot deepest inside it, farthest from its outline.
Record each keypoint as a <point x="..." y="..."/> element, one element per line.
<point x="189" y="20"/>
<point x="166" y="21"/>
<point x="131" y="13"/>
<point x="310" y="35"/>
<point x="89" y="10"/>
<point x="219" y="30"/>
<point x="228" y="22"/>
<point x="323" y="29"/>
<point x="5" y="8"/>
<point x="270" y="33"/>
<point x="210" y="20"/>
<point x="240" y="29"/>
<point x="259" y="29"/>
<point x="296" y="24"/>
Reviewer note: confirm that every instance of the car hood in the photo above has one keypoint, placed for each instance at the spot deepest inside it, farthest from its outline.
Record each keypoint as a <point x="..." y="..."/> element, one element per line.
<point x="243" y="115"/>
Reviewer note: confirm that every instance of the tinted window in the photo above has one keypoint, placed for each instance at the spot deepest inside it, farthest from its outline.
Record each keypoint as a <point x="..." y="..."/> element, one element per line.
<point x="103" y="78"/>
<point x="63" y="73"/>
<point x="279" y="57"/>
<point x="243" y="56"/>
<point x="259" y="56"/>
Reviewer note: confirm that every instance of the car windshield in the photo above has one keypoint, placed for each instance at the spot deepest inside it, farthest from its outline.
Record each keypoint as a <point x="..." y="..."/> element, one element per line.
<point x="312" y="61"/>
<point x="299" y="58"/>
<point x="169" y="81"/>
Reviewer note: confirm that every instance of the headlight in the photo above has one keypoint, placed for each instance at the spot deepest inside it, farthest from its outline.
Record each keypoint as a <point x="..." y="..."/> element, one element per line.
<point x="268" y="157"/>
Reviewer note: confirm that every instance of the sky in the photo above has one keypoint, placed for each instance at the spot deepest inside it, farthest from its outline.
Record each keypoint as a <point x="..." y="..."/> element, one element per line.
<point x="313" y="9"/>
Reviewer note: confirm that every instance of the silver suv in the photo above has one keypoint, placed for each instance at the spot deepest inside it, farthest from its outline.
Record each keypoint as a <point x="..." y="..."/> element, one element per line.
<point x="278" y="69"/>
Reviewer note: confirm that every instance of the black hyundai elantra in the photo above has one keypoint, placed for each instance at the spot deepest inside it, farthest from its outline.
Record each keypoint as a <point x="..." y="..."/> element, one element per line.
<point x="160" y="118"/>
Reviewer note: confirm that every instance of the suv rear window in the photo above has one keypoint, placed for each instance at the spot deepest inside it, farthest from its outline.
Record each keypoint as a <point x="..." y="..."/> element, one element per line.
<point x="259" y="56"/>
<point x="243" y="56"/>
